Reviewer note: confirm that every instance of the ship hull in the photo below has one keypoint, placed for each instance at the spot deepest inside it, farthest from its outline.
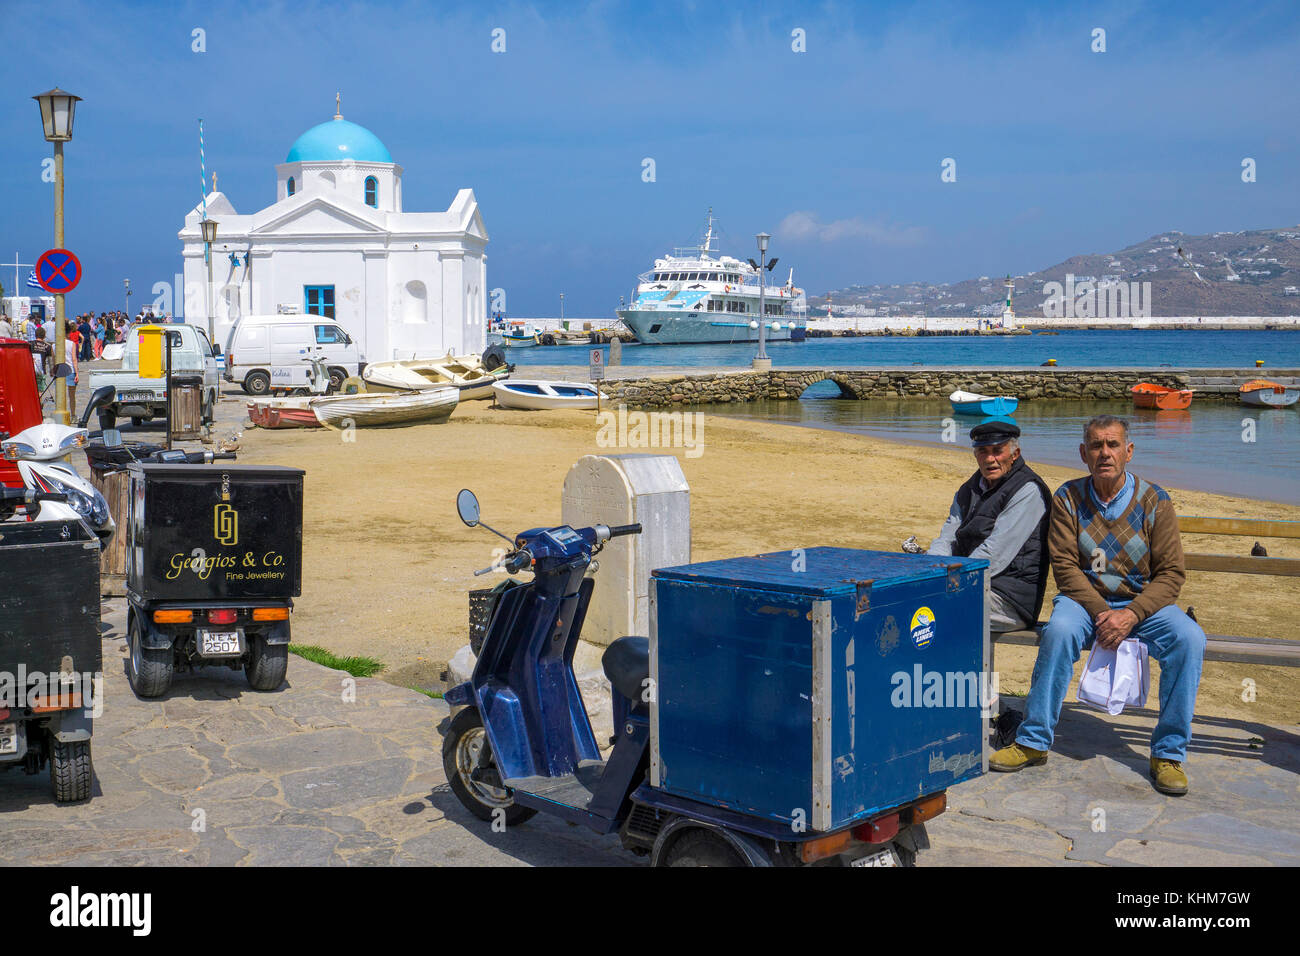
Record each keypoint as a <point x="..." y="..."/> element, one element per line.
<point x="659" y="327"/>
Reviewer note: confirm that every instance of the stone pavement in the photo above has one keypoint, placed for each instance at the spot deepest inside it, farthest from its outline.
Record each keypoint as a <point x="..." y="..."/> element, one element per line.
<point x="301" y="776"/>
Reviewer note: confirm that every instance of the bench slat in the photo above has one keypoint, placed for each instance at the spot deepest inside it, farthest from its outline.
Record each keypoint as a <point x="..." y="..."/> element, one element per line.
<point x="1218" y="647"/>
<point x="1239" y="564"/>
<point x="1246" y="527"/>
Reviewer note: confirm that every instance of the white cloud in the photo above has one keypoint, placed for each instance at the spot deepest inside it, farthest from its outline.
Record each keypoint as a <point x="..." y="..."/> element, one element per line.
<point x="807" y="226"/>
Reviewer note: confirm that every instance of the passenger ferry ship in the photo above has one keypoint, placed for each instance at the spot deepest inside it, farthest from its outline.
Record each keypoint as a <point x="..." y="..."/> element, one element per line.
<point x="693" y="296"/>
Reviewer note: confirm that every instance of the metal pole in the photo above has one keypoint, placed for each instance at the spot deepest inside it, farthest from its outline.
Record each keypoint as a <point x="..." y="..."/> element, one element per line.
<point x="167" y="383"/>
<point x="762" y="314"/>
<point x="212" y="330"/>
<point x="60" y="316"/>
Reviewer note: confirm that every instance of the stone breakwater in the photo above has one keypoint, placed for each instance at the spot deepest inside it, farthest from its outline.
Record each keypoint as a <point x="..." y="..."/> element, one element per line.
<point x="709" y="388"/>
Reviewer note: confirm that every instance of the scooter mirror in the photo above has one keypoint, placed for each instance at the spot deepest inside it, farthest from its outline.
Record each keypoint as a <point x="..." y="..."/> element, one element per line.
<point x="99" y="397"/>
<point x="467" y="507"/>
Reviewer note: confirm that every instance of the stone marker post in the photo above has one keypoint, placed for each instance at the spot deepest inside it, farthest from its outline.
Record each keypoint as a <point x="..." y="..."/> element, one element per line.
<point x="622" y="489"/>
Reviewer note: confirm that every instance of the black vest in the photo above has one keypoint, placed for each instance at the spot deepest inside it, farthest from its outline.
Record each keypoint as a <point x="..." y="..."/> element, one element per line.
<point x="1022" y="582"/>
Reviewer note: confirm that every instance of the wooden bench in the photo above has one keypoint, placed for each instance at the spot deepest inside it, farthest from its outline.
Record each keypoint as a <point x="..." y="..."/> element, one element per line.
<point x="1221" y="647"/>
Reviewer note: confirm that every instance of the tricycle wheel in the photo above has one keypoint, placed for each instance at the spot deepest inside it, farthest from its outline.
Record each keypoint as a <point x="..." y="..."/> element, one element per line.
<point x="702" y="848"/>
<point x="70" y="770"/>
<point x="107" y="419"/>
<point x="138" y="420"/>
<point x="149" y="670"/>
<point x="462" y="749"/>
<point x="267" y="664"/>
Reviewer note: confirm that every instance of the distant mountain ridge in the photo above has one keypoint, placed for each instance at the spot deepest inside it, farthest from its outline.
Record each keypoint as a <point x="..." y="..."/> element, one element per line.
<point x="1252" y="272"/>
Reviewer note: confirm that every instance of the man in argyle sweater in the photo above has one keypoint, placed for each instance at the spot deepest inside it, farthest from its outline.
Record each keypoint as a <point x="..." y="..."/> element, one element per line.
<point x="1118" y="563"/>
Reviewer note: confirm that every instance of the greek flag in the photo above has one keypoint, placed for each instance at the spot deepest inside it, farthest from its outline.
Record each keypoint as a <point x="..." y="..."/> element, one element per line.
<point x="31" y="281"/>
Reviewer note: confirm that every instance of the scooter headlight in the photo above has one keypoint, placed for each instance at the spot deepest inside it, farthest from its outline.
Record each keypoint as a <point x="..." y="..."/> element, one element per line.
<point x="91" y="506"/>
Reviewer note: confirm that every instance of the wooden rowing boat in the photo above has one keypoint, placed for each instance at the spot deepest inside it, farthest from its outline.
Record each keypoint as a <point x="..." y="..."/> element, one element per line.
<point x="1263" y="393"/>
<point x="971" y="403"/>
<point x="1150" y="395"/>
<point x="538" y="395"/>
<point x="471" y="375"/>
<point x="283" y="413"/>
<point x="380" y="409"/>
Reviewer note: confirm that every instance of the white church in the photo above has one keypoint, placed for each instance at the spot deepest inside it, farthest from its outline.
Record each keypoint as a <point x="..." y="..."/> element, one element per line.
<point x="337" y="243"/>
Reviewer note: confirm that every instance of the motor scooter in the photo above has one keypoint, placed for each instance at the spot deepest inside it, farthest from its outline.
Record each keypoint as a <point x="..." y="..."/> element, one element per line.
<point x="37" y="452"/>
<point x="522" y="742"/>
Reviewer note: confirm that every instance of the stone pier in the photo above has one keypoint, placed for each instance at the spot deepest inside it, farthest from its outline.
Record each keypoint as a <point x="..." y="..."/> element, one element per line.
<point x="648" y="387"/>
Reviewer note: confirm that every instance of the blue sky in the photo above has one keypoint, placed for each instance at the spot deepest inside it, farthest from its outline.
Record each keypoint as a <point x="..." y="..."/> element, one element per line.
<point x="836" y="151"/>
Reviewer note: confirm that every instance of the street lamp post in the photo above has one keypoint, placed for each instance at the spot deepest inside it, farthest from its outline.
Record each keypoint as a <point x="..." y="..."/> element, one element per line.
<point x="58" y="108"/>
<point x="561" y="307"/>
<point x="127" y="284"/>
<point x="209" y="237"/>
<point x="761" y="361"/>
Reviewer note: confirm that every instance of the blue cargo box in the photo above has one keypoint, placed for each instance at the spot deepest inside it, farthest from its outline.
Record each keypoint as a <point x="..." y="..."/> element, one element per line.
<point x="820" y="686"/>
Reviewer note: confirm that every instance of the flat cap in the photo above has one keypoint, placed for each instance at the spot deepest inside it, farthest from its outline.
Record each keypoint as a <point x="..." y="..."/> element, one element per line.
<point x="993" y="431"/>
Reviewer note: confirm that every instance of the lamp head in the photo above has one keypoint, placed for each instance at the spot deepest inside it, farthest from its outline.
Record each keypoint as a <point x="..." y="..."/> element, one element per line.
<point x="58" y="108"/>
<point x="762" y="243"/>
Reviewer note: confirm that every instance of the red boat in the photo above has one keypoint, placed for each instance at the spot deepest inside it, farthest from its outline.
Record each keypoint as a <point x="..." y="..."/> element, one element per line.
<point x="284" y="413"/>
<point x="1148" y="395"/>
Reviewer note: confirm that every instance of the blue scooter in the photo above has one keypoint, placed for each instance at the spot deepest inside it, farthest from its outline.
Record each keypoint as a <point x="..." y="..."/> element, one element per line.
<point x="523" y="742"/>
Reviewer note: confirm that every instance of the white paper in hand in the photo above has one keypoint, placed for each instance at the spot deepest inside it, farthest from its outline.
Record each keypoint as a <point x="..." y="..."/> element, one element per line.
<point x="1112" y="680"/>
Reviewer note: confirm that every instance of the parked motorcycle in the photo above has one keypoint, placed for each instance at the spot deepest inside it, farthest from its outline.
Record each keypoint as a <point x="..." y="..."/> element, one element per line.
<point x="521" y="741"/>
<point x="37" y="452"/>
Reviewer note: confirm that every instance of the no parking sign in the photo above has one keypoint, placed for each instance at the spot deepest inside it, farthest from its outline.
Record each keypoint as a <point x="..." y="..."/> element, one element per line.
<point x="58" y="271"/>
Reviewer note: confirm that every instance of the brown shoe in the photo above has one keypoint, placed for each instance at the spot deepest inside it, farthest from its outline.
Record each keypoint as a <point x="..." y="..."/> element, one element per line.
<point x="1016" y="757"/>
<point x="1168" y="776"/>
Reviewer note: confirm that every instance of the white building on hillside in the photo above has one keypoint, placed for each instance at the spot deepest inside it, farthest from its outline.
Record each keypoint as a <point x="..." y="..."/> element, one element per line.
<point x="337" y="243"/>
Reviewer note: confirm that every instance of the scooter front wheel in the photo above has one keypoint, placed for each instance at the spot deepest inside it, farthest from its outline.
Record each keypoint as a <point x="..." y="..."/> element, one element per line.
<point x="462" y="755"/>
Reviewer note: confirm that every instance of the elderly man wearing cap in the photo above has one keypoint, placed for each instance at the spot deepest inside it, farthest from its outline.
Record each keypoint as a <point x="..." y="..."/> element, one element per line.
<point x="1118" y="562"/>
<point x="1000" y="513"/>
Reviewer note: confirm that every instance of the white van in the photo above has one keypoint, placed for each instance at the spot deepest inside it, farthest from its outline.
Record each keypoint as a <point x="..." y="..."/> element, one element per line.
<point x="257" y="343"/>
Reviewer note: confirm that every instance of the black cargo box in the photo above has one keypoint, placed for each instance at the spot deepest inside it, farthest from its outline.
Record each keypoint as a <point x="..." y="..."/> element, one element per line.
<point x="214" y="532"/>
<point x="49" y="597"/>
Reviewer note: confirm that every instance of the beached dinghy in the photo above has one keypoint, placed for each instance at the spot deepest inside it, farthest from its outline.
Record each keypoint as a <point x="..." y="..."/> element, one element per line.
<point x="378" y="409"/>
<point x="1262" y="392"/>
<point x="471" y="375"/>
<point x="969" y="403"/>
<point x="283" y="413"/>
<point x="1149" y="395"/>
<point x="535" y="395"/>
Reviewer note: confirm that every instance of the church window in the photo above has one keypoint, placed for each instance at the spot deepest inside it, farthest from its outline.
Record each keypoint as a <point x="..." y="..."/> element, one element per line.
<point x="372" y="191"/>
<point x="320" y="300"/>
<point x="292" y="186"/>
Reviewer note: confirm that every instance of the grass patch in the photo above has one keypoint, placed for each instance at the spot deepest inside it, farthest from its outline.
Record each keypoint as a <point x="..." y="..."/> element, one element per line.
<point x="435" y="694"/>
<point x="356" y="666"/>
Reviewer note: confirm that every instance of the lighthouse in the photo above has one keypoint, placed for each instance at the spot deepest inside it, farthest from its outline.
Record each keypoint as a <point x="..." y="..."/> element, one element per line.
<point x="1008" y="316"/>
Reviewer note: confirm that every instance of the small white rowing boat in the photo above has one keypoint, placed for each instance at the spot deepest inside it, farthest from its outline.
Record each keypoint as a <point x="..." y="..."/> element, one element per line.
<point x="536" y="395"/>
<point x="377" y="409"/>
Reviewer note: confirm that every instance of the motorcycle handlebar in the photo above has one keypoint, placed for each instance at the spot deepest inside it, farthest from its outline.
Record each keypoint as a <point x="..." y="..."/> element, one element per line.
<point x="622" y="529"/>
<point x="223" y="454"/>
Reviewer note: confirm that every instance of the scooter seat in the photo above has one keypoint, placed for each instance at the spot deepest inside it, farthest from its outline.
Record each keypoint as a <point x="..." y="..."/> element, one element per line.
<point x="627" y="665"/>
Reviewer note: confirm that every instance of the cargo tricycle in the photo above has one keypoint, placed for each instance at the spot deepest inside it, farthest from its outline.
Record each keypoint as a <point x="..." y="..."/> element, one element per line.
<point x="51" y="670"/>
<point x="783" y="710"/>
<point x="214" y="561"/>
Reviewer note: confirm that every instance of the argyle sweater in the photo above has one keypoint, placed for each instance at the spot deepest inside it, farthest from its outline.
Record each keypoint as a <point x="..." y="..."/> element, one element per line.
<point x="1142" y="549"/>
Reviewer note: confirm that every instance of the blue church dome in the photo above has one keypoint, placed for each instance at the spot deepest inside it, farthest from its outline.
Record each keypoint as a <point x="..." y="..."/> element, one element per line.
<point x="338" y="139"/>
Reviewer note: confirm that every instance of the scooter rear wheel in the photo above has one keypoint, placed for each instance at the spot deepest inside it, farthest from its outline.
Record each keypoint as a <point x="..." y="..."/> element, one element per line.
<point x="462" y="750"/>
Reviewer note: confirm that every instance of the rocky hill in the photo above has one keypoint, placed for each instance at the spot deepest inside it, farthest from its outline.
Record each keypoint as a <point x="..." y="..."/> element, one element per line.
<point x="1253" y="272"/>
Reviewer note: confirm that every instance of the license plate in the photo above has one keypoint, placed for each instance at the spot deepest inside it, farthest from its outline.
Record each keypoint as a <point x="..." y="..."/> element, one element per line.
<point x="135" y="397"/>
<point x="885" y="857"/>
<point x="220" y="643"/>
<point x="8" y="738"/>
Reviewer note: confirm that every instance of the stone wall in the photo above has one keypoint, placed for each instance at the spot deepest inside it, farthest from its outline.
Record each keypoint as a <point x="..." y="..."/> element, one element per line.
<point x="1026" y="384"/>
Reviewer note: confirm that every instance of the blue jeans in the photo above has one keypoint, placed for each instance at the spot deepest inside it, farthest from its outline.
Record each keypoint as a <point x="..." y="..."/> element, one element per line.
<point x="1171" y="637"/>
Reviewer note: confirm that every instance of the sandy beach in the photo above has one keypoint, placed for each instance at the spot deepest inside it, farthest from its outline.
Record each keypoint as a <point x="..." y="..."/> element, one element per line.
<point x="387" y="563"/>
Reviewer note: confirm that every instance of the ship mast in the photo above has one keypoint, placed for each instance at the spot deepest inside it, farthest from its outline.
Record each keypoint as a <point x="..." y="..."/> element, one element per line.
<point x="708" y="234"/>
